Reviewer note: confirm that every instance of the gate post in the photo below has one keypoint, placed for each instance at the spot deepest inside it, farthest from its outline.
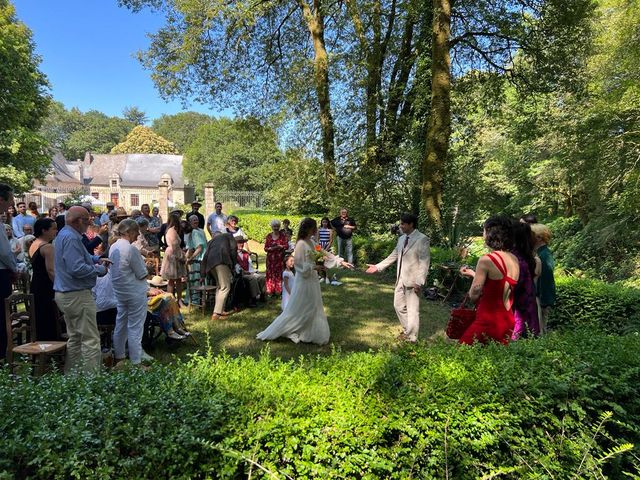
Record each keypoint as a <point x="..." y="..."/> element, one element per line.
<point x="163" y="201"/>
<point x="209" y="202"/>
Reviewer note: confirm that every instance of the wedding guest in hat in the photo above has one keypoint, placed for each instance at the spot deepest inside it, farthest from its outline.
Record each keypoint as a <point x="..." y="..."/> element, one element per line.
<point x="195" y="206"/>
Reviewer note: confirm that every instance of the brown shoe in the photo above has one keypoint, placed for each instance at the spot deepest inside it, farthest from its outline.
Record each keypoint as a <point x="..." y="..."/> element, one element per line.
<point x="226" y="314"/>
<point x="217" y="316"/>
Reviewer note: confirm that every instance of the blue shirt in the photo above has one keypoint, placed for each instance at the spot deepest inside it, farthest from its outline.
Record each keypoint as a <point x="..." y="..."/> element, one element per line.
<point x="74" y="267"/>
<point x="19" y="221"/>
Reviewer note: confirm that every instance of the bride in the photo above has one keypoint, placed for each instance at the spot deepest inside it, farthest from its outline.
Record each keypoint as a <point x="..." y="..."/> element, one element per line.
<point x="303" y="319"/>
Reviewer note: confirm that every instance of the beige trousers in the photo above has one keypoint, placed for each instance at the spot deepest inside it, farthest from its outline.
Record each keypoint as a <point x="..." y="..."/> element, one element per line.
<point x="83" y="347"/>
<point x="407" y="304"/>
<point x="222" y="274"/>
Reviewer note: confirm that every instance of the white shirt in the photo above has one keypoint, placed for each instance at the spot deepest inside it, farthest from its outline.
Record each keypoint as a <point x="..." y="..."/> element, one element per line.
<point x="217" y="222"/>
<point x="104" y="294"/>
<point x="128" y="272"/>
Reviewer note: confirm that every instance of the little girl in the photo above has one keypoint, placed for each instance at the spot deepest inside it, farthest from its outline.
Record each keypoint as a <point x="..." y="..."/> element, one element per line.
<point x="288" y="279"/>
<point x="325" y="240"/>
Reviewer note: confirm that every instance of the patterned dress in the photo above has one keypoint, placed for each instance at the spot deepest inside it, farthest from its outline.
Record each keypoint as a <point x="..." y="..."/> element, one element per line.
<point x="275" y="262"/>
<point x="525" y="305"/>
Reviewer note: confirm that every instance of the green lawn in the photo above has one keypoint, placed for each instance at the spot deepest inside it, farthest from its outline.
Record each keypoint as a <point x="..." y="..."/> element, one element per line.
<point x="360" y="314"/>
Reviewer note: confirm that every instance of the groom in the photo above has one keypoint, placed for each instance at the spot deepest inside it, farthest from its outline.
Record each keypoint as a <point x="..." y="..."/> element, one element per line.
<point x="413" y="257"/>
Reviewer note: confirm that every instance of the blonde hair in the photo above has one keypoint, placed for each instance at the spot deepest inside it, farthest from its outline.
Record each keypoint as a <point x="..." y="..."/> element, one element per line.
<point x="542" y="232"/>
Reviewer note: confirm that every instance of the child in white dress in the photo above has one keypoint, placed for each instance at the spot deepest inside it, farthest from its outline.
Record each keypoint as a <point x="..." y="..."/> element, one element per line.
<point x="288" y="279"/>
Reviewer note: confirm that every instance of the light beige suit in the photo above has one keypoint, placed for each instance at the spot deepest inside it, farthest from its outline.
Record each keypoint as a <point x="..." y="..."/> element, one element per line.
<point x="412" y="266"/>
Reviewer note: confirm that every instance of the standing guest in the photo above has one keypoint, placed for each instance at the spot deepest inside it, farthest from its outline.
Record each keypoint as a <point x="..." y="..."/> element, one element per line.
<point x="153" y="226"/>
<point x="53" y="212"/>
<point x="136" y="214"/>
<point x="493" y="285"/>
<point x="286" y="229"/>
<point x="344" y="227"/>
<point x="546" y="284"/>
<point x="104" y="218"/>
<point x="129" y="276"/>
<point x="33" y="210"/>
<point x="196" y="244"/>
<point x="216" y="221"/>
<point x="42" y="261"/>
<point x="75" y="276"/>
<point x="275" y="245"/>
<point x="195" y="206"/>
<point x="413" y="257"/>
<point x="11" y="214"/>
<point x="525" y="305"/>
<point x="173" y="264"/>
<point x="62" y="209"/>
<point x="288" y="279"/>
<point x="155" y="222"/>
<point x="530" y="218"/>
<point x="255" y="280"/>
<point x="325" y="240"/>
<point x="8" y="267"/>
<point x="21" y="219"/>
<point x="92" y="238"/>
<point x="220" y="260"/>
<point x="163" y="229"/>
<point x="233" y="228"/>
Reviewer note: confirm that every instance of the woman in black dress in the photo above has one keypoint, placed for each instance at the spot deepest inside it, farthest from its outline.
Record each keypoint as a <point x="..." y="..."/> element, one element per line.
<point x="41" y="253"/>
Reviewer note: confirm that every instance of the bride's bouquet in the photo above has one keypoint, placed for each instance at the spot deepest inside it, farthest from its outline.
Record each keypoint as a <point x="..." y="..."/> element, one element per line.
<point x="318" y="255"/>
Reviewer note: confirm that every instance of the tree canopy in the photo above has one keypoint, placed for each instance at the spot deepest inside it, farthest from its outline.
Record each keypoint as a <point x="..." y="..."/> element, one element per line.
<point x="180" y="128"/>
<point x="232" y="154"/>
<point x="144" y="140"/>
<point x="24" y="100"/>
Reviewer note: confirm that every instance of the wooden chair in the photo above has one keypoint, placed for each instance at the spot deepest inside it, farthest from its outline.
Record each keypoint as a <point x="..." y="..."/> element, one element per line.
<point x="197" y="287"/>
<point x="21" y="334"/>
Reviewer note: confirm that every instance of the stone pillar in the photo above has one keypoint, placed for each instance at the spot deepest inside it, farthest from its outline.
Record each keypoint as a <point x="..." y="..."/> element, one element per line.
<point x="209" y="200"/>
<point x="163" y="201"/>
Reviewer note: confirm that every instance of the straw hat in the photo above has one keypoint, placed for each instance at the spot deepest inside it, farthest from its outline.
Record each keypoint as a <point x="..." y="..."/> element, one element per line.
<point x="121" y="213"/>
<point x="157" y="281"/>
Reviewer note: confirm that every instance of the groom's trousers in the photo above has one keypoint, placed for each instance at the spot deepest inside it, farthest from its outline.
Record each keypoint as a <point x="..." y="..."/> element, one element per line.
<point x="407" y="304"/>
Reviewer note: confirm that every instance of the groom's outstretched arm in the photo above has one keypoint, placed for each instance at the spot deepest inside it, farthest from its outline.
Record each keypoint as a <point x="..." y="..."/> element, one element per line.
<point x="391" y="259"/>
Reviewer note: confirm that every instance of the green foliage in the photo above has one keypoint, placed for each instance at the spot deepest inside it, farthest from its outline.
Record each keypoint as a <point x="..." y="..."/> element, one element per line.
<point x="257" y="224"/>
<point x="144" y="140"/>
<point x="134" y="115"/>
<point x="24" y="103"/>
<point x="296" y="185"/>
<point x="562" y="406"/>
<point x="92" y="131"/>
<point x="584" y="303"/>
<point x="232" y="154"/>
<point x="181" y="128"/>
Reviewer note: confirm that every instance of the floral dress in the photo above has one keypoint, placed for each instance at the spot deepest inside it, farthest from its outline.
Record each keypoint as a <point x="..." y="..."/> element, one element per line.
<point x="275" y="262"/>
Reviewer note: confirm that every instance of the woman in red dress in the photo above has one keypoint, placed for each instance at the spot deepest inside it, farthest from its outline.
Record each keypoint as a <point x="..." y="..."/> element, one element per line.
<point x="275" y="245"/>
<point x="493" y="282"/>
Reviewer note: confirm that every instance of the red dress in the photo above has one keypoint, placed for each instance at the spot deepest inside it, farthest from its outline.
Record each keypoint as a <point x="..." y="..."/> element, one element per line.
<point x="493" y="321"/>
<point x="275" y="263"/>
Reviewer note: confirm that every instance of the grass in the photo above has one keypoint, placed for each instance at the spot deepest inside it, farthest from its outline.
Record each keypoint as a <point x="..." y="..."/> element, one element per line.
<point x="360" y="314"/>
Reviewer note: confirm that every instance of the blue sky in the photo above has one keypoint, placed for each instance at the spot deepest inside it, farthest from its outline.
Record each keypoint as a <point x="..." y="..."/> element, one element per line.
<point x="88" y="53"/>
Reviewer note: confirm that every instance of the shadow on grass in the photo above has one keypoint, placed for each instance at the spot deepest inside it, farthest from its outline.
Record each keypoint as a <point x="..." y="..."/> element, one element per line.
<point x="360" y="314"/>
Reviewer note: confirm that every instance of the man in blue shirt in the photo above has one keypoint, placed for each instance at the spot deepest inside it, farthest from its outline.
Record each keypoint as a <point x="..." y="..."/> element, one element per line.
<point x="76" y="273"/>
<point x="21" y="219"/>
<point x="8" y="266"/>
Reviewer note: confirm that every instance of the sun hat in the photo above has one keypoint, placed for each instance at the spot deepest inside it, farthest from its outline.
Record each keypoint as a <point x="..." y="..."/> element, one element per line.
<point x="121" y="213"/>
<point x="157" y="281"/>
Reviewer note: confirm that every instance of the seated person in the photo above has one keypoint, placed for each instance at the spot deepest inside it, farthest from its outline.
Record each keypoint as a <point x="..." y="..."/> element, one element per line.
<point x="166" y="307"/>
<point x="142" y="243"/>
<point x="256" y="281"/>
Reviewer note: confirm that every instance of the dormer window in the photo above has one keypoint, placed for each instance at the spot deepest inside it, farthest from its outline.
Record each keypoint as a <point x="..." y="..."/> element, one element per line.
<point x="114" y="181"/>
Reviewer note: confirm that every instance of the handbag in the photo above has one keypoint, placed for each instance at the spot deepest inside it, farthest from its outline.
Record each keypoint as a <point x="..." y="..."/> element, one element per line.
<point x="460" y="320"/>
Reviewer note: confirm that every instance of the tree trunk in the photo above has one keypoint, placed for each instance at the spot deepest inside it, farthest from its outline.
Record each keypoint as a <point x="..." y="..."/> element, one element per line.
<point x="315" y="23"/>
<point x="439" y="128"/>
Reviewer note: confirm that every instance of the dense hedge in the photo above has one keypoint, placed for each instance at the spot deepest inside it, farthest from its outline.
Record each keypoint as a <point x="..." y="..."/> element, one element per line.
<point x="257" y="224"/>
<point x="529" y="410"/>
<point x="582" y="302"/>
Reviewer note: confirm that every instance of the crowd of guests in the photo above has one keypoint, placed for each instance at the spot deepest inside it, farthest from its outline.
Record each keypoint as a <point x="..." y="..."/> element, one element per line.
<point x="513" y="286"/>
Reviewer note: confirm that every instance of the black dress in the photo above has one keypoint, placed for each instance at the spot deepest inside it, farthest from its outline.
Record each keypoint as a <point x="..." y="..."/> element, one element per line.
<point x="43" y="294"/>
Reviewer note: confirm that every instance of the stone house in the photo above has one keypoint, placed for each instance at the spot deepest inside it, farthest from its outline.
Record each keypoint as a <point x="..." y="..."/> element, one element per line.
<point x="128" y="180"/>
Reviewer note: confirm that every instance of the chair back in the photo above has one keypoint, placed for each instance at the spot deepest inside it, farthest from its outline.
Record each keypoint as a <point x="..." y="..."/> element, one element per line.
<point x="20" y="321"/>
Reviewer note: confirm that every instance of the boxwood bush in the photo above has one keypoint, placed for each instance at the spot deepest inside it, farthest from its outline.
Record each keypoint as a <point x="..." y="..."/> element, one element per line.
<point x="534" y="409"/>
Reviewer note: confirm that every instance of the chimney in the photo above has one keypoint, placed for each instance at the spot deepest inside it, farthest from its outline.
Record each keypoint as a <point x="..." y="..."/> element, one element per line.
<point x="88" y="159"/>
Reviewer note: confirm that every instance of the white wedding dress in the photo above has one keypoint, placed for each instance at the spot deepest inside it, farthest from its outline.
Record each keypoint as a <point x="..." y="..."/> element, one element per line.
<point x="303" y="319"/>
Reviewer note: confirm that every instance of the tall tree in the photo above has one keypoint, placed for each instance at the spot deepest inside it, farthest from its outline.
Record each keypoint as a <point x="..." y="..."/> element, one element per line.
<point x="134" y="115"/>
<point x="144" y="140"/>
<point x="181" y="128"/>
<point x="23" y="104"/>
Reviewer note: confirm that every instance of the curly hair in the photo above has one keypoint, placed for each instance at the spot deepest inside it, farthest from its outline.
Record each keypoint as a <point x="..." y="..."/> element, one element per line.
<point x="499" y="233"/>
<point x="307" y="226"/>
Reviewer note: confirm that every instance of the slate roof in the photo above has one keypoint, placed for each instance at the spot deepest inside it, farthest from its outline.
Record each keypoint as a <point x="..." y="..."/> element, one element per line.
<point x="63" y="171"/>
<point x="135" y="170"/>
